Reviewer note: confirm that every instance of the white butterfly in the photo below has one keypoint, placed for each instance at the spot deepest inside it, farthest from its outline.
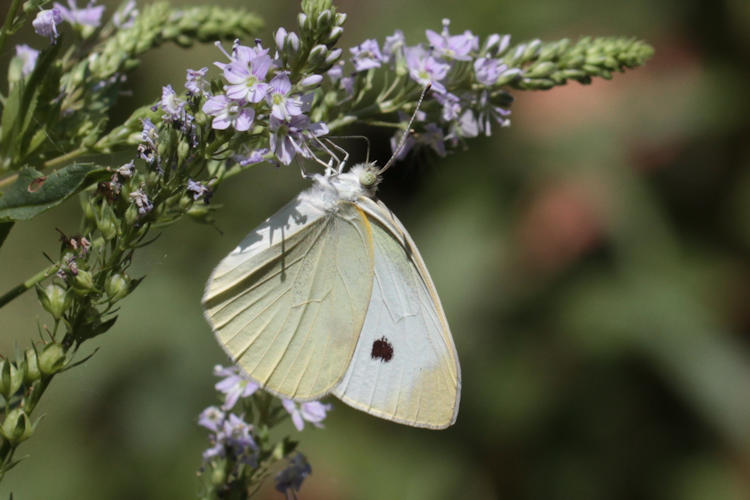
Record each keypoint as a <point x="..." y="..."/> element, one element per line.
<point x="330" y="296"/>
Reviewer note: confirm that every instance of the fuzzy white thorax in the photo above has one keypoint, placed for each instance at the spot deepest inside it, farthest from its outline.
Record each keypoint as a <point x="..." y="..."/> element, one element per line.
<point x="328" y="190"/>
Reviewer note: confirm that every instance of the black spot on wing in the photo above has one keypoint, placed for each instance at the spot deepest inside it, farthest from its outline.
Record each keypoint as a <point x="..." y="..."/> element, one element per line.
<point x="382" y="350"/>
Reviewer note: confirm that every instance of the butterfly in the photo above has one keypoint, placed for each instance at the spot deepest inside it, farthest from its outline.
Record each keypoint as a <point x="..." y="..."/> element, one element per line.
<point x="330" y="296"/>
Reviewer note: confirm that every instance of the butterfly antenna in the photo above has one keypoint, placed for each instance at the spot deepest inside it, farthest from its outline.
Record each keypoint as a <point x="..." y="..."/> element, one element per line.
<point x="402" y="141"/>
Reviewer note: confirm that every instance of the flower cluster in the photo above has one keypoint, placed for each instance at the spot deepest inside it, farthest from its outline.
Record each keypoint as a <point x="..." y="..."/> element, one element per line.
<point x="242" y="447"/>
<point x="464" y="78"/>
<point x="259" y="92"/>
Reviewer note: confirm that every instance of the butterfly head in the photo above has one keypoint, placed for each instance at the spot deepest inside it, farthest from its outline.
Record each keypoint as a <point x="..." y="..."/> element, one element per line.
<point x="368" y="175"/>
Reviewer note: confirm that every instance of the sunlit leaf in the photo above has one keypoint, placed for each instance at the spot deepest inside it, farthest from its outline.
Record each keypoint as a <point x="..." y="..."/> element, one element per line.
<point x="34" y="192"/>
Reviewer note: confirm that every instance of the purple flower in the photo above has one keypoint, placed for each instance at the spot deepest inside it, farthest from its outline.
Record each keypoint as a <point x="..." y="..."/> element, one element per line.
<point x="236" y="432"/>
<point x="488" y="70"/>
<point x="125" y="16"/>
<point x="453" y="46"/>
<point x="489" y="112"/>
<point x="283" y="106"/>
<point x="215" y="451"/>
<point x="211" y="418"/>
<point x="171" y="104"/>
<point x="91" y="15"/>
<point x="451" y="105"/>
<point x="367" y="55"/>
<point x="247" y="74"/>
<point x="393" y="43"/>
<point x="45" y="23"/>
<point x="142" y="202"/>
<point x="147" y="149"/>
<point x="235" y="385"/>
<point x="292" y="476"/>
<point x="228" y="113"/>
<point x="127" y="170"/>
<point x="336" y="72"/>
<point x="433" y="136"/>
<point x="199" y="190"/>
<point x="311" y="411"/>
<point x="255" y="156"/>
<point x="28" y="57"/>
<point x="424" y="68"/>
<point x="466" y="126"/>
<point x="195" y="81"/>
<point x="289" y="137"/>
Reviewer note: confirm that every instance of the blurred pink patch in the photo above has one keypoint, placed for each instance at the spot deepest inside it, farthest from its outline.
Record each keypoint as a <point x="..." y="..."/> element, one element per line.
<point x="560" y="224"/>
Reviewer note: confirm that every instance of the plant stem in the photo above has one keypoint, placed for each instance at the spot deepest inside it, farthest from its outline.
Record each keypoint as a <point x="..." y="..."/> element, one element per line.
<point x="8" y="21"/>
<point x="19" y="289"/>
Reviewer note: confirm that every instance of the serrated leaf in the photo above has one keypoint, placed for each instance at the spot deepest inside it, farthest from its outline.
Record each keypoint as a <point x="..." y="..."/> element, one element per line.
<point x="5" y="228"/>
<point x="34" y="192"/>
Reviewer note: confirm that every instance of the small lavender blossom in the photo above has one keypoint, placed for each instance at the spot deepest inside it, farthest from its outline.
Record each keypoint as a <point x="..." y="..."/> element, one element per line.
<point x="45" y="23"/>
<point x="367" y="55"/>
<point x="292" y="476"/>
<point x="393" y="43"/>
<point x="255" y="156"/>
<point x="283" y="106"/>
<point x="247" y="74"/>
<point x="489" y="113"/>
<point x="228" y="113"/>
<point x="127" y="170"/>
<point x="433" y="136"/>
<point x="172" y="105"/>
<point x="195" y="81"/>
<point x="450" y="46"/>
<point x="147" y="150"/>
<point x="28" y="56"/>
<point x="235" y="385"/>
<point x="451" y="106"/>
<point x="211" y="418"/>
<point x="199" y="190"/>
<point x="125" y="16"/>
<point x="488" y="70"/>
<point x="91" y="15"/>
<point x="237" y="434"/>
<point x="424" y="68"/>
<point x="336" y="72"/>
<point x="310" y="411"/>
<point x="142" y="202"/>
<point x="290" y="137"/>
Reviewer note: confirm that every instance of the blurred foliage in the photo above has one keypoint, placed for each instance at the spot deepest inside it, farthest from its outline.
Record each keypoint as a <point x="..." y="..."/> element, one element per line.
<point x="592" y="260"/>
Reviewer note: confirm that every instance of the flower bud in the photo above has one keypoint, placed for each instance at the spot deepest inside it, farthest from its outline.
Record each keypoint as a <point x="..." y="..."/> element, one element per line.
<point x="340" y="18"/>
<point x="107" y="227"/>
<point x="310" y="81"/>
<point x="11" y="379"/>
<point x="83" y="281"/>
<point x="87" y="208"/>
<point x="131" y="215"/>
<point x="52" y="359"/>
<point x="183" y="150"/>
<point x="201" y="118"/>
<point x="218" y="476"/>
<point x="333" y="56"/>
<point x="279" y="37"/>
<point x="318" y="55"/>
<point x="17" y="426"/>
<point x="303" y="21"/>
<point x="291" y="44"/>
<point x="31" y="371"/>
<point x="324" y="20"/>
<point x="54" y="299"/>
<point x="334" y="35"/>
<point x="116" y="287"/>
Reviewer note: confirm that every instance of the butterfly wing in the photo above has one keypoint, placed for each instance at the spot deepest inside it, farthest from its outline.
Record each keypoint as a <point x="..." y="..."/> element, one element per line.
<point x="405" y="367"/>
<point x="287" y="305"/>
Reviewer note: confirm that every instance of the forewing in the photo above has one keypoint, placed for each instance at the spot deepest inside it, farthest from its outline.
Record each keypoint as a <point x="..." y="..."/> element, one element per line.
<point x="288" y="303"/>
<point x="405" y="367"/>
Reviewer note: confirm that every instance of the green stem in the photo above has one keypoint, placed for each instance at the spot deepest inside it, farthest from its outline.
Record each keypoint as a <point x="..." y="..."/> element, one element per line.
<point x="65" y="158"/>
<point x="19" y="289"/>
<point x="8" y="21"/>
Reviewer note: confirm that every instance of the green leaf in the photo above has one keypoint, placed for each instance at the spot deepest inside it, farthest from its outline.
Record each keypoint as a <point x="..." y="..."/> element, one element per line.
<point x="34" y="193"/>
<point x="5" y="228"/>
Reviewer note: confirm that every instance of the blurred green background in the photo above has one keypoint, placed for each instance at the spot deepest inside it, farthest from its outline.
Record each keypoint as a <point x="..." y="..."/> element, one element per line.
<point x="592" y="261"/>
